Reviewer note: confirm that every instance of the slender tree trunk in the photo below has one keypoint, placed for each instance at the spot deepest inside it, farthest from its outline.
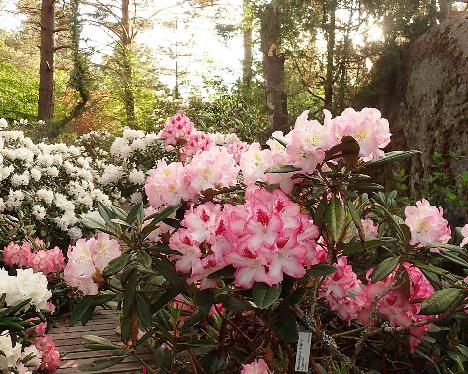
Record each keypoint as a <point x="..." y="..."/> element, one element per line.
<point x="248" y="44"/>
<point x="273" y="68"/>
<point x="46" y="72"/>
<point x="330" y="56"/>
<point x="126" y="40"/>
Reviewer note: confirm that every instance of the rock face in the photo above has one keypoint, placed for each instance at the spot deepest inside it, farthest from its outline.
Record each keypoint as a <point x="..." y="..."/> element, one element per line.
<point x="429" y="109"/>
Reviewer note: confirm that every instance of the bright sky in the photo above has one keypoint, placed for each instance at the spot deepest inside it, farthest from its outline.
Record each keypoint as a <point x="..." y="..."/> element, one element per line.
<point x="203" y="52"/>
<point x="210" y="55"/>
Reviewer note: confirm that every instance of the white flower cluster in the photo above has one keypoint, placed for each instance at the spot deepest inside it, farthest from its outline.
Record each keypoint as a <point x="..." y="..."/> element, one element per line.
<point x="25" y="285"/>
<point x="121" y="172"/>
<point x="53" y="184"/>
<point x="14" y="355"/>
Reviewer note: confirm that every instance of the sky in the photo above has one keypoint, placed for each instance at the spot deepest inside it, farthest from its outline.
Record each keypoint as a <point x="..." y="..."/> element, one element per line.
<point x="204" y="53"/>
<point x="210" y="55"/>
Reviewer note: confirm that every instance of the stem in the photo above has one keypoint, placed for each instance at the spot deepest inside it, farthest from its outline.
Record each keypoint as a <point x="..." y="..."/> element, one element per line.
<point x="150" y="370"/>
<point x="350" y="332"/>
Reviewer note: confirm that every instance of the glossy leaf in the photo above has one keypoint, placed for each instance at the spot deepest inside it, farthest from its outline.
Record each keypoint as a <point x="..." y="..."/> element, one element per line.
<point x="389" y="158"/>
<point x="441" y="301"/>
<point x="384" y="268"/>
<point x="264" y="295"/>
<point x="335" y="218"/>
<point x="116" y="265"/>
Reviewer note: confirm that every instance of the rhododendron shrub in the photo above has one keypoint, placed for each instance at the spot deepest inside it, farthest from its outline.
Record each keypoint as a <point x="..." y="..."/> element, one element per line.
<point x="241" y="246"/>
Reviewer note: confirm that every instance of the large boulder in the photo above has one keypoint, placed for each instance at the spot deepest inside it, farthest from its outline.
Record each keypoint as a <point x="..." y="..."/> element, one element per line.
<point x="428" y="109"/>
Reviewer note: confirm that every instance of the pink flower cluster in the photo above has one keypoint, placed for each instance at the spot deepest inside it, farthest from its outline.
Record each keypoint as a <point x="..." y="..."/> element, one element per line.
<point x="180" y="131"/>
<point x="37" y="257"/>
<point x="397" y="307"/>
<point x="340" y="290"/>
<point x="257" y="367"/>
<point x="351" y="300"/>
<point x="50" y="355"/>
<point x="86" y="261"/>
<point x="464" y="232"/>
<point x="427" y="224"/>
<point x="177" y="130"/>
<point x="262" y="239"/>
<point x="171" y="184"/>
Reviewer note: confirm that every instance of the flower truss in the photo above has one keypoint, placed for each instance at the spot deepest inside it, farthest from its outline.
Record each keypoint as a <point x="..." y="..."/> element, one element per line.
<point x="240" y="244"/>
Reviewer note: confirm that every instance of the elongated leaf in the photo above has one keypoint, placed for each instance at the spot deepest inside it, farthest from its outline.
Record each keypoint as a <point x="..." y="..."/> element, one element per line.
<point x="143" y="311"/>
<point x="79" y="310"/>
<point x="453" y="257"/>
<point x="204" y="300"/>
<point x="264" y="295"/>
<point x="102" y="341"/>
<point x="282" y="169"/>
<point x="390" y="157"/>
<point x="101" y="364"/>
<point x="173" y="223"/>
<point x="285" y="326"/>
<point x="282" y="142"/>
<point x="96" y="225"/>
<point x="121" y="222"/>
<point x="319" y="214"/>
<point x="158" y="217"/>
<point x="336" y="218"/>
<point x="441" y="301"/>
<point x="357" y="220"/>
<point x="105" y="212"/>
<point x="357" y="246"/>
<point x="116" y="265"/>
<point x="134" y="213"/>
<point x="320" y="269"/>
<point x="384" y="268"/>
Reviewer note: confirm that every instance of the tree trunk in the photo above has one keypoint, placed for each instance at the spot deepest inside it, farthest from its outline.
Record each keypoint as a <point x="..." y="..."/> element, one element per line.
<point x="330" y="56"/>
<point x="273" y="68"/>
<point x="247" y="36"/>
<point x="126" y="40"/>
<point x="46" y="72"/>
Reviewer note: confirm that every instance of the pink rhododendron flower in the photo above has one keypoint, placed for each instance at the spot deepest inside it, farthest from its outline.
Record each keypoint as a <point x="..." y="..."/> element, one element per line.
<point x="262" y="239"/>
<point x="50" y="355"/>
<point x="167" y="185"/>
<point x="427" y="224"/>
<point x="212" y="169"/>
<point x="177" y="130"/>
<point x="257" y="367"/>
<point x="309" y="142"/>
<point x="366" y="126"/>
<point x="197" y="141"/>
<point x="464" y="232"/>
<point x="371" y="229"/>
<point x="86" y="261"/>
<point x="40" y="259"/>
<point x="398" y="308"/>
<point x="237" y="148"/>
<point x="340" y="290"/>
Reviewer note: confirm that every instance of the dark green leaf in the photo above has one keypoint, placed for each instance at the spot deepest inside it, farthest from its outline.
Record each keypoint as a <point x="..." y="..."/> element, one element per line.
<point x="285" y="326"/>
<point x="158" y="217"/>
<point x="390" y="157"/>
<point x="173" y="223"/>
<point x="143" y="311"/>
<point x="116" y="265"/>
<point x="134" y="212"/>
<point x="357" y="246"/>
<point x="282" y="169"/>
<point x="441" y="301"/>
<point x="79" y="310"/>
<point x="318" y="270"/>
<point x="204" y="300"/>
<point x="102" y="363"/>
<point x="384" y="268"/>
<point x="357" y="220"/>
<point x="144" y="259"/>
<point x="336" y="218"/>
<point x="264" y="295"/>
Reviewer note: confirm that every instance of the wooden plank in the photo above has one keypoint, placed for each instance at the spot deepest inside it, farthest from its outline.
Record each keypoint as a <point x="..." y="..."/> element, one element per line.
<point x="69" y="342"/>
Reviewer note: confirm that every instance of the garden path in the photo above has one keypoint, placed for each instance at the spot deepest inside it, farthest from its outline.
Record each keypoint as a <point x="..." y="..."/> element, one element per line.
<point x="73" y="352"/>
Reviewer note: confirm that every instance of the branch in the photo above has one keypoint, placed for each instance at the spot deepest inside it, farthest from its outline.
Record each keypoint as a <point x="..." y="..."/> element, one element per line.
<point x="60" y="29"/>
<point x="62" y="47"/>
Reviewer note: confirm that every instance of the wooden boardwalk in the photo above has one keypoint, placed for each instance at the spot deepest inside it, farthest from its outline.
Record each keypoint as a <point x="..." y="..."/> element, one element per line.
<point x="73" y="352"/>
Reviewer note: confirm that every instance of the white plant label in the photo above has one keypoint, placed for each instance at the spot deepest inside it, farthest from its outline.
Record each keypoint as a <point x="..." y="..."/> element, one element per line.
<point x="303" y="351"/>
